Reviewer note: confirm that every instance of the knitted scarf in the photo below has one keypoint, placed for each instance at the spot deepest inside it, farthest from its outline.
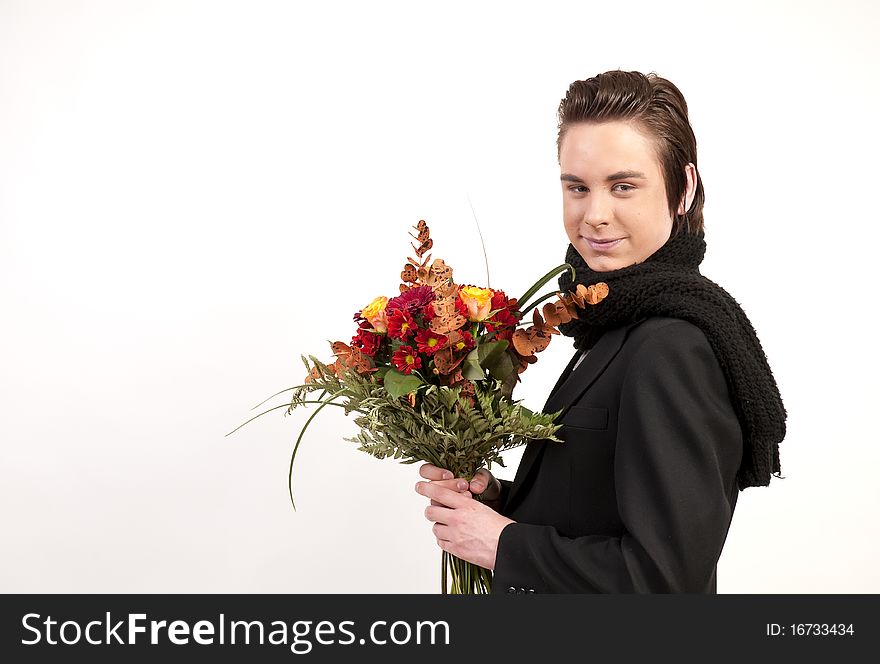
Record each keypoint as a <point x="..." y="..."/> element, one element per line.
<point x="669" y="283"/>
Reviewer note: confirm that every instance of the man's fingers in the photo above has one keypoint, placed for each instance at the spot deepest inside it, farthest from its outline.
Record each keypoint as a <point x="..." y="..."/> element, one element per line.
<point x="431" y="472"/>
<point x="447" y="497"/>
<point x="439" y="513"/>
<point x="480" y="481"/>
<point x="457" y="484"/>
<point x="485" y="484"/>
<point x="441" y="531"/>
<point x="464" y="493"/>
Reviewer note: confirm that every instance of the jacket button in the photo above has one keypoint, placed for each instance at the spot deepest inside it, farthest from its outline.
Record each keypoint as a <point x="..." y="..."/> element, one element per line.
<point x="511" y="589"/>
<point x="531" y="590"/>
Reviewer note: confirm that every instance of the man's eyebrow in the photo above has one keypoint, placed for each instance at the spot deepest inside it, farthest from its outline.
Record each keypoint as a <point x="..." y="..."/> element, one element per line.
<point x="620" y="175"/>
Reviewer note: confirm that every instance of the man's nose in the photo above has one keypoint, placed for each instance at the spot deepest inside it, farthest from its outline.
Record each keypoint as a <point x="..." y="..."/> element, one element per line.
<point x="597" y="212"/>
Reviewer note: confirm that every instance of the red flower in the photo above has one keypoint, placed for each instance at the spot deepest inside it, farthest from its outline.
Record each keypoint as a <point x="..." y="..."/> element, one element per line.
<point x="464" y="341"/>
<point x="412" y="300"/>
<point x="502" y="318"/>
<point x="406" y="360"/>
<point x="505" y="333"/>
<point x="367" y="341"/>
<point x="429" y="342"/>
<point x="401" y="325"/>
<point x="428" y="312"/>
<point x="499" y="300"/>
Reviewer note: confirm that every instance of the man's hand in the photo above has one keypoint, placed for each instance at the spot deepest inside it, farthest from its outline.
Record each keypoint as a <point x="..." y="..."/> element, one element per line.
<point x="483" y="484"/>
<point x="466" y="528"/>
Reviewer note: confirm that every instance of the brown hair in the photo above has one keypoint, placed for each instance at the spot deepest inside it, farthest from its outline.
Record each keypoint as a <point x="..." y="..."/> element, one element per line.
<point x="654" y="106"/>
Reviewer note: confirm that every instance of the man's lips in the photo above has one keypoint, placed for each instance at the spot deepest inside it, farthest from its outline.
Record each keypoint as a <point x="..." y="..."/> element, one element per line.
<point x="602" y="245"/>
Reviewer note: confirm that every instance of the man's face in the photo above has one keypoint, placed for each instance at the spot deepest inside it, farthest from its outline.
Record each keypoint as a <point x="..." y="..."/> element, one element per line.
<point x="612" y="189"/>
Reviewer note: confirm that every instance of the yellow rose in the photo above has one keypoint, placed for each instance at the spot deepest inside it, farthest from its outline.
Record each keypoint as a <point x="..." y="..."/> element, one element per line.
<point x="374" y="312"/>
<point x="477" y="300"/>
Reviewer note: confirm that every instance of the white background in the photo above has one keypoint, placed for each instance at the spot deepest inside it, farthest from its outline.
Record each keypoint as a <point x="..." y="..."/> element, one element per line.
<point x="192" y="195"/>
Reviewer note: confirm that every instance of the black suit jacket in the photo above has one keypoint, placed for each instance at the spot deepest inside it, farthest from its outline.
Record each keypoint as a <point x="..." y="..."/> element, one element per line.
<point x="640" y="496"/>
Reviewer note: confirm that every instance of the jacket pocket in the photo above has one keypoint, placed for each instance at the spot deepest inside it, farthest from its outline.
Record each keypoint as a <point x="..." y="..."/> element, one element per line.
<point x="586" y="417"/>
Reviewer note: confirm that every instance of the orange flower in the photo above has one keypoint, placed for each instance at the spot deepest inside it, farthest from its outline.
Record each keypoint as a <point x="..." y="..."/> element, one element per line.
<point x="477" y="300"/>
<point x="374" y="312"/>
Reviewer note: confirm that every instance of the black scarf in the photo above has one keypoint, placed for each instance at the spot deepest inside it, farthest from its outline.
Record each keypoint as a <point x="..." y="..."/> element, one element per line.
<point x="669" y="283"/>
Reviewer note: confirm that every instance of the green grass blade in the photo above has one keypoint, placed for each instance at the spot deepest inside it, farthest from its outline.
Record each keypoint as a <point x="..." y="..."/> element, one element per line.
<point x="543" y="280"/>
<point x="538" y="301"/>
<point x="312" y="385"/>
<point x="485" y="257"/>
<point x="285" y="405"/>
<point x="299" y="440"/>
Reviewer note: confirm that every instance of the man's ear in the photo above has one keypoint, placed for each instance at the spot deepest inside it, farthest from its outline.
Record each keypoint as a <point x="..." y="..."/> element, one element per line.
<point x="690" y="171"/>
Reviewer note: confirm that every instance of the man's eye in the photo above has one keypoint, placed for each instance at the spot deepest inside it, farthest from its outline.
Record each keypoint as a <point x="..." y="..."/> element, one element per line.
<point x="580" y="188"/>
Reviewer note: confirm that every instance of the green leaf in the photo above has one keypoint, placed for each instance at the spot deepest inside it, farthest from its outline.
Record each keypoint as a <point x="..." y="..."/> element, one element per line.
<point x="471" y="368"/>
<point x="489" y="353"/>
<point x="502" y="367"/>
<point x="399" y="385"/>
<point x="481" y="358"/>
<point x="509" y="384"/>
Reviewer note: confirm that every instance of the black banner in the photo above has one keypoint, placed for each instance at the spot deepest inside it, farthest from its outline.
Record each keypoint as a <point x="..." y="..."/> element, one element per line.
<point x="113" y="628"/>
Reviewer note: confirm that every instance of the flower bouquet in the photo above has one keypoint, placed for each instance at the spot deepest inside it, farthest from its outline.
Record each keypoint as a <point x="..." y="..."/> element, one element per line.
<point x="431" y="372"/>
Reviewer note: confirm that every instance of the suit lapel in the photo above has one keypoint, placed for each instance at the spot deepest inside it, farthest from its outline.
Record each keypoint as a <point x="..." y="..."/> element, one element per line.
<point x="569" y="388"/>
<point x="565" y="373"/>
